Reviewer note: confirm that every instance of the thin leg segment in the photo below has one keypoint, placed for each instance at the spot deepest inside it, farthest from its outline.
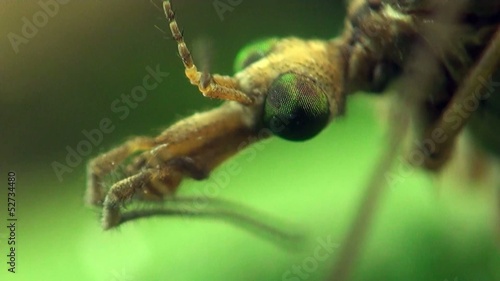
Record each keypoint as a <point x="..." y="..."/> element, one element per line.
<point x="101" y="166"/>
<point x="190" y="148"/>
<point x="471" y="89"/>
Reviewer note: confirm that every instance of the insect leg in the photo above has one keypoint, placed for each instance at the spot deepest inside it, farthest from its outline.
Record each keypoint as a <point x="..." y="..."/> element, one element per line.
<point x="415" y="84"/>
<point x="117" y="195"/>
<point x="358" y="231"/>
<point x="101" y="166"/>
<point x="190" y="148"/>
<point x="279" y="232"/>
<point x="213" y="86"/>
<point x="123" y="191"/>
<point x="470" y="89"/>
<point x="158" y="181"/>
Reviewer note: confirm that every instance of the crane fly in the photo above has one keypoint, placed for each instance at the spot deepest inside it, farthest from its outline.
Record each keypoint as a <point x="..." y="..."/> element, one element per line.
<point x="440" y="58"/>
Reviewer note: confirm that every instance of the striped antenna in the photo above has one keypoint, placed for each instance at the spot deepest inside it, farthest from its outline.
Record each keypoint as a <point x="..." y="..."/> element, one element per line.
<point x="213" y="86"/>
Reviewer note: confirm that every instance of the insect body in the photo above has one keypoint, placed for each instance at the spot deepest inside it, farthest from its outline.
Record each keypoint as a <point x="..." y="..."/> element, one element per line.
<point x="284" y="93"/>
<point x="292" y="88"/>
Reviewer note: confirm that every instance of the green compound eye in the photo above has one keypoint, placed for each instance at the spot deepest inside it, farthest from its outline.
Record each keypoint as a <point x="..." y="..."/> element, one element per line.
<point x="296" y="108"/>
<point x="252" y="53"/>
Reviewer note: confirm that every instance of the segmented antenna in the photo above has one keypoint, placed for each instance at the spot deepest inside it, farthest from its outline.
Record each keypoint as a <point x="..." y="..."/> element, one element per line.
<point x="213" y="86"/>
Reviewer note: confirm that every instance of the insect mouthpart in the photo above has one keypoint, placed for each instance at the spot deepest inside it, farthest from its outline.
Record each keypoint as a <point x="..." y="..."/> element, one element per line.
<point x="296" y="107"/>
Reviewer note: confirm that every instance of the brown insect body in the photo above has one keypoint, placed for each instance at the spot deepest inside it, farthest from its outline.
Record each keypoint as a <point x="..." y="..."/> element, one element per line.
<point x="378" y="41"/>
<point x="287" y="56"/>
<point x="383" y="37"/>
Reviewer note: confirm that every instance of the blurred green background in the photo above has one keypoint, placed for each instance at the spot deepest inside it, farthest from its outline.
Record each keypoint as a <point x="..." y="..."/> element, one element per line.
<point x="64" y="79"/>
